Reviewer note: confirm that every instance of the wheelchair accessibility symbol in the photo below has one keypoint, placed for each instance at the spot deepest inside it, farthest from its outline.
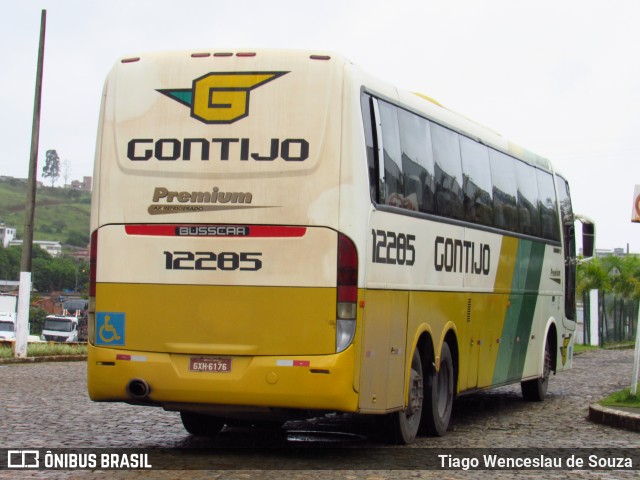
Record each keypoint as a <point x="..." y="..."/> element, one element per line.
<point x="110" y="328"/>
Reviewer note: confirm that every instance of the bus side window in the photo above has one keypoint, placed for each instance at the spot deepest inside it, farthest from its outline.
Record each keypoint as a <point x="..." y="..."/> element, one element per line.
<point x="528" y="211"/>
<point x="548" y="213"/>
<point x="476" y="174"/>
<point x="505" y="191"/>
<point x="368" y="121"/>
<point x="393" y="193"/>
<point x="448" y="172"/>
<point x="569" y="247"/>
<point x="417" y="161"/>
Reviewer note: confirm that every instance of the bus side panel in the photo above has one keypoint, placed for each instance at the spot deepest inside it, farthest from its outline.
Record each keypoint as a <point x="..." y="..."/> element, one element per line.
<point x="519" y="319"/>
<point x="383" y="352"/>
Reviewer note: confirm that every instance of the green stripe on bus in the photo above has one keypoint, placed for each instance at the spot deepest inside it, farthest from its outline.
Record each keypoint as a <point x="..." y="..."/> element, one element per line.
<point x="519" y="318"/>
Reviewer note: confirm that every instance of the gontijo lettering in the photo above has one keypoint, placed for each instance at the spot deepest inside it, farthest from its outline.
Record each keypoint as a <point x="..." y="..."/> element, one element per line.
<point x="461" y="256"/>
<point x="171" y="149"/>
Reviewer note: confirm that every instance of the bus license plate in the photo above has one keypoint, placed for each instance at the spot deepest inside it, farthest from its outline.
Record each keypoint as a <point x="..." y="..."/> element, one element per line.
<point x="206" y="364"/>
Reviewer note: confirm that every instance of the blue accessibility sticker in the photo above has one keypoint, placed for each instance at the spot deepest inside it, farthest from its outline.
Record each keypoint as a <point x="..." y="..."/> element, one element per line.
<point x="110" y="328"/>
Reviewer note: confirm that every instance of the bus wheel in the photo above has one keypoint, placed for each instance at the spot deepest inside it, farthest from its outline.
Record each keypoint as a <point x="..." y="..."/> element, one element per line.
<point x="404" y="425"/>
<point x="439" y="395"/>
<point x="535" y="390"/>
<point x="201" y="425"/>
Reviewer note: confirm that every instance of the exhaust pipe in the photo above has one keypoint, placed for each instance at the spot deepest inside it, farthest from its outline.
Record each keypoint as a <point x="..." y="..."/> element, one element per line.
<point x="138" y="389"/>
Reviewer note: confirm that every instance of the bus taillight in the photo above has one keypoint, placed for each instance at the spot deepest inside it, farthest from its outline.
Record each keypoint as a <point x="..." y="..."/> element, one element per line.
<point x="347" y="283"/>
<point x="93" y="262"/>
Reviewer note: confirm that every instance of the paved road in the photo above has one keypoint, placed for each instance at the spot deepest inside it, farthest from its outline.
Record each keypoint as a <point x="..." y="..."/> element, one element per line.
<point x="46" y="406"/>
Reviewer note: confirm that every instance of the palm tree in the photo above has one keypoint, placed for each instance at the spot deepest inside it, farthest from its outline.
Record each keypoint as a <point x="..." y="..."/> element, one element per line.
<point x="625" y="283"/>
<point x="592" y="275"/>
<point x="612" y="274"/>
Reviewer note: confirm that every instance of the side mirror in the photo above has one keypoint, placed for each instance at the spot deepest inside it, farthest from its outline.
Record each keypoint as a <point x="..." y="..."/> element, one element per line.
<point x="588" y="235"/>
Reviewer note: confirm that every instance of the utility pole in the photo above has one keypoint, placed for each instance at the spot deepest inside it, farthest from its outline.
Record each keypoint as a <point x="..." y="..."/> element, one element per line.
<point x="24" y="293"/>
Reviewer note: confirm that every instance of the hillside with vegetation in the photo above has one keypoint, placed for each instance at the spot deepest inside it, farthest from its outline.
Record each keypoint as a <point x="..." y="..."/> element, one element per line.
<point x="62" y="214"/>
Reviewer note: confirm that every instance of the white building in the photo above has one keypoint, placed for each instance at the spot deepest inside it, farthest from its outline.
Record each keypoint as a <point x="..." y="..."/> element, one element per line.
<point x="53" y="248"/>
<point x="7" y="234"/>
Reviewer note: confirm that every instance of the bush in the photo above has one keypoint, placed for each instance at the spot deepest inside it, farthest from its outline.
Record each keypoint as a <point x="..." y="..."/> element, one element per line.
<point x="36" y="320"/>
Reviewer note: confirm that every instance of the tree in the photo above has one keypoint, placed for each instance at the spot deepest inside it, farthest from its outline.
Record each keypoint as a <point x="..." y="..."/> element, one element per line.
<point x="625" y="275"/>
<point x="77" y="239"/>
<point x="619" y="276"/>
<point x="36" y="320"/>
<point x="10" y="263"/>
<point x="592" y="276"/>
<point x="66" y="171"/>
<point x="51" y="167"/>
<point x="49" y="274"/>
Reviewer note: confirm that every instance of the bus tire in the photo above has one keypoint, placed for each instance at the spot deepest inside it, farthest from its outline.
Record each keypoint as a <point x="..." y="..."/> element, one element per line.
<point x="536" y="390"/>
<point x="403" y="426"/>
<point x="201" y="425"/>
<point x="439" y="395"/>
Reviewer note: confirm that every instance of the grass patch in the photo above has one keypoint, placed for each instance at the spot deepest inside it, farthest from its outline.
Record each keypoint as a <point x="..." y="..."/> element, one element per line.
<point x="580" y="348"/>
<point x="623" y="398"/>
<point x="46" y="350"/>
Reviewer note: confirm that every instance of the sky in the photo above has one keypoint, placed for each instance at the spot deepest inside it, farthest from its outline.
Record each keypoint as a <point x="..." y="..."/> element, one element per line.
<point x="559" y="77"/>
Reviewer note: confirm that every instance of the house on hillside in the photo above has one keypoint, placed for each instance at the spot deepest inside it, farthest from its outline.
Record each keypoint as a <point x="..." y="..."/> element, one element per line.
<point x="7" y="234"/>
<point x="85" y="184"/>
<point x="53" y="248"/>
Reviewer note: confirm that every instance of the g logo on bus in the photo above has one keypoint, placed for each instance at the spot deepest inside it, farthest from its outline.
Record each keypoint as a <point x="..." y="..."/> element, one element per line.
<point x="221" y="98"/>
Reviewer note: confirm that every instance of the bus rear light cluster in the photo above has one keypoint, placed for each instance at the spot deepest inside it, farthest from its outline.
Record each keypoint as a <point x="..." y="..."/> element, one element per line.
<point x="347" y="292"/>
<point x="93" y="263"/>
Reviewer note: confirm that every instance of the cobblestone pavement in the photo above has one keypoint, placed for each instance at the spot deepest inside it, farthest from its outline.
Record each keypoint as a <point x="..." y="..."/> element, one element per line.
<point x="46" y="406"/>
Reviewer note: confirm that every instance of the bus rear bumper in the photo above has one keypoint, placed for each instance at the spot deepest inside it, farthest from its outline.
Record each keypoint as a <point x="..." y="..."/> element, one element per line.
<point x="273" y="382"/>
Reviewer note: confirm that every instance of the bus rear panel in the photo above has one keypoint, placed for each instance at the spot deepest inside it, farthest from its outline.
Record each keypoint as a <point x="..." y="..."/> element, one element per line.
<point x="215" y="244"/>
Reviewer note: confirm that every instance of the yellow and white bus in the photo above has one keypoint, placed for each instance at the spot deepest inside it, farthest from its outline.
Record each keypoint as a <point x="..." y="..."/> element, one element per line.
<point x="277" y="233"/>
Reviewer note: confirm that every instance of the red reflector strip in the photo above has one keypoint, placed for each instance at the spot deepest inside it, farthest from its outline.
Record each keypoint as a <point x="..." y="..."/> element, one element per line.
<point x="254" y="231"/>
<point x="131" y="358"/>
<point x="293" y="363"/>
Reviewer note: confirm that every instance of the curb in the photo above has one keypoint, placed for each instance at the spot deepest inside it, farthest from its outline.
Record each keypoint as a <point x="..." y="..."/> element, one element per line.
<point x="51" y="358"/>
<point x="614" y="417"/>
